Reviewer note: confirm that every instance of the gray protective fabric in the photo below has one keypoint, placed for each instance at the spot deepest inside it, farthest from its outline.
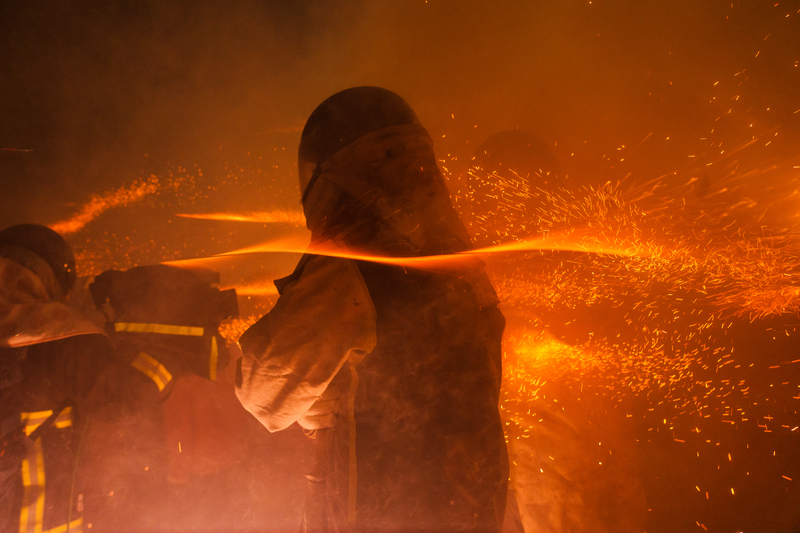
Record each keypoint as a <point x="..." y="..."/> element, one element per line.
<point x="387" y="180"/>
<point x="285" y="370"/>
<point x="28" y="314"/>
<point x="345" y="117"/>
<point x="408" y="430"/>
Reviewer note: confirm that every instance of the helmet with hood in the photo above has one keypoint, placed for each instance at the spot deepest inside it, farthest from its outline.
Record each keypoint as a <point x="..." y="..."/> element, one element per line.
<point x="343" y="118"/>
<point x="370" y="178"/>
<point x="43" y="251"/>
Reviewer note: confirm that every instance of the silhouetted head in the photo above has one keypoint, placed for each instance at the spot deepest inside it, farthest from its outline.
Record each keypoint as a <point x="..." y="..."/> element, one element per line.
<point x="38" y="247"/>
<point x="370" y="178"/>
<point x="343" y="118"/>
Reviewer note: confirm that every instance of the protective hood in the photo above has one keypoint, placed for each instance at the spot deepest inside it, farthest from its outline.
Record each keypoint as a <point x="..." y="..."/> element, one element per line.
<point x="29" y="316"/>
<point x="384" y="193"/>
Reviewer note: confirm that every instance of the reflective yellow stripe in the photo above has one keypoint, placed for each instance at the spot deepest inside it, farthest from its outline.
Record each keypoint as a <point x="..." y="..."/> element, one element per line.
<point x="26" y="482"/>
<point x="212" y="360"/>
<point x="76" y="526"/>
<point x="34" y="419"/>
<point x="36" y="415"/>
<point x="32" y="513"/>
<point x="64" y="419"/>
<point x="31" y="518"/>
<point x="133" y="327"/>
<point x="351" y="415"/>
<point x="152" y="369"/>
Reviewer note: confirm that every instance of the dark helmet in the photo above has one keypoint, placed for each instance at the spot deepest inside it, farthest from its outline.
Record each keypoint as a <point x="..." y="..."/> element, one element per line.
<point x="48" y="245"/>
<point x="343" y="118"/>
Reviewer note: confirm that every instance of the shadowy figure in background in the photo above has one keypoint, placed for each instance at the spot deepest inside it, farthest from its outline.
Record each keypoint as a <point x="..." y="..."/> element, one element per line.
<point x="168" y="454"/>
<point x="397" y="370"/>
<point x="563" y="477"/>
<point x="50" y="360"/>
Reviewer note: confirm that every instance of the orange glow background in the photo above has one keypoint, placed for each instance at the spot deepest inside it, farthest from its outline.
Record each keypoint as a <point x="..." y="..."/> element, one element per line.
<point x="652" y="289"/>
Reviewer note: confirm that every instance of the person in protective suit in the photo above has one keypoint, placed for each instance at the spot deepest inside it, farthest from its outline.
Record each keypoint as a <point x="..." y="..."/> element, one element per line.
<point x="50" y="360"/>
<point x="161" y="470"/>
<point x="396" y="369"/>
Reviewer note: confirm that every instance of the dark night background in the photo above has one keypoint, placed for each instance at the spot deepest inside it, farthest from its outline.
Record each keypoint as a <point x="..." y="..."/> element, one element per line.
<point x="105" y="91"/>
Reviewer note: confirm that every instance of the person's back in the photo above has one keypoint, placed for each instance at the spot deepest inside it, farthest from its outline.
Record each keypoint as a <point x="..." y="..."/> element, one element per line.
<point x="427" y="403"/>
<point x="396" y="369"/>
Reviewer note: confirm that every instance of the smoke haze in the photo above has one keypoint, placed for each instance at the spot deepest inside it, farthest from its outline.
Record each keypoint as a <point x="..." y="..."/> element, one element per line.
<point x="199" y="107"/>
<point x="104" y="92"/>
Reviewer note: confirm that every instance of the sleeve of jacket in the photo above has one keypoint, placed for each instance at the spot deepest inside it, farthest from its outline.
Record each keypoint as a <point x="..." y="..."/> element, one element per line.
<point x="291" y="355"/>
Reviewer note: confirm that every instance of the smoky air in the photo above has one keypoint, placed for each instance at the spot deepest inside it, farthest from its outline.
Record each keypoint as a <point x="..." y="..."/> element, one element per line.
<point x="627" y="177"/>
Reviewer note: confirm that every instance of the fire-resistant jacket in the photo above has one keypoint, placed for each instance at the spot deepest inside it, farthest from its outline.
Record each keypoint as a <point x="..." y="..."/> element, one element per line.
<point x="397" y="369"/>
<point x="51" y="359"/>
<point x="164" y="325"/>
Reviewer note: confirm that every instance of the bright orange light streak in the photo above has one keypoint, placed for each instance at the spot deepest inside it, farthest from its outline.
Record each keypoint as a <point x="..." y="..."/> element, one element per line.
<point x="560" y="242"/>
<point x="255" y="289"/>
<point x="276" y="216"/>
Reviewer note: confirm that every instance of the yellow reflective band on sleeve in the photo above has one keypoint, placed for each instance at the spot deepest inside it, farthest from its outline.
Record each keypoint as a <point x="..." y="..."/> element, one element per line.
<point x="133" y="327"/>
<point x="212" y="360"/>
<point x="31" y="517"/>
<point x="152" y="369"/>
<point x="76" y="526"/>
<point x="32" y="514"/>
<point x="64" y="419"/>
<point x="353" y="473"/>
<point x="34" y="419"/>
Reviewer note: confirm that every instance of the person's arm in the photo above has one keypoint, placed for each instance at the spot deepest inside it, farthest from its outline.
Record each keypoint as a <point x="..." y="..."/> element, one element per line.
<point x="291" y="355"/>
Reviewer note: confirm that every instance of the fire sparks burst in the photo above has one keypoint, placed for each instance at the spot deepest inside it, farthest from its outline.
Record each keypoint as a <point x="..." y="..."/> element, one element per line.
<point x="98" y="205"/>
<point x="659" y="335"/>
<point x="624" y="297"/>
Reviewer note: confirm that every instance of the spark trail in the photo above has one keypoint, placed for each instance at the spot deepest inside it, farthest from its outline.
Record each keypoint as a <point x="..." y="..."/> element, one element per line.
<point x="276" y="216"/>
<point x="99" y="204"/>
